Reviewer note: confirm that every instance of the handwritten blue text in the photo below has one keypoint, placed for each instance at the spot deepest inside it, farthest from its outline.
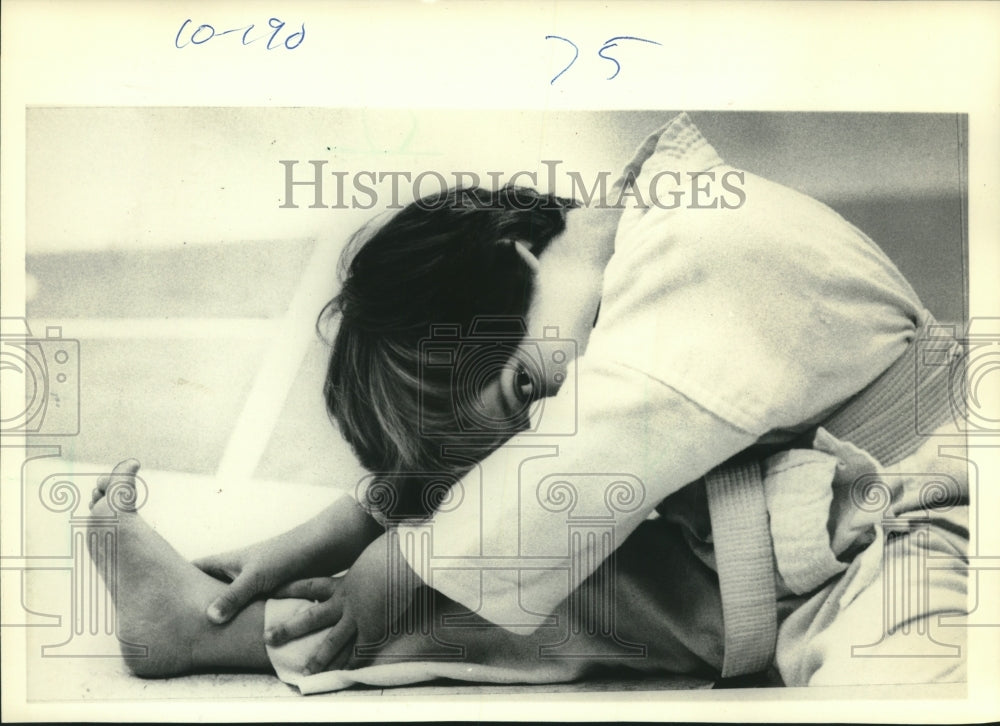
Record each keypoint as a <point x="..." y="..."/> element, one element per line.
<point x="186" y="36"/>
<point x="603" y="52"/>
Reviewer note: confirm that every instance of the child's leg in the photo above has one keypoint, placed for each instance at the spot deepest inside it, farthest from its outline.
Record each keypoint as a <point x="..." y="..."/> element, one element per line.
<point x="161" y="600"/>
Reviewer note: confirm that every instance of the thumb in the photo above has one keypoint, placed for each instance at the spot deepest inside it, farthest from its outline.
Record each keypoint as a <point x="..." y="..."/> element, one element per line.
<point x="241" y="591"/>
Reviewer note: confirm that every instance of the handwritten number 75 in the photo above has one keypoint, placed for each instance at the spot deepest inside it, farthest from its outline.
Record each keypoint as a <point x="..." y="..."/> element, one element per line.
<point x="603" y="52"/>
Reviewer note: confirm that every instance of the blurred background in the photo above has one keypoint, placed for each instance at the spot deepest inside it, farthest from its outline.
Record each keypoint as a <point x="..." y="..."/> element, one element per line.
<point x="156" y="238"/>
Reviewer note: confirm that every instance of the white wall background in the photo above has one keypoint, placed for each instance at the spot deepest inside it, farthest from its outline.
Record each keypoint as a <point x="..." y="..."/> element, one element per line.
<point x="156" y="237"/>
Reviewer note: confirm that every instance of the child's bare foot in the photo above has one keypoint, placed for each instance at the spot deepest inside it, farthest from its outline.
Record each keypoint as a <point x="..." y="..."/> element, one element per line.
<point x="161" y="598"/>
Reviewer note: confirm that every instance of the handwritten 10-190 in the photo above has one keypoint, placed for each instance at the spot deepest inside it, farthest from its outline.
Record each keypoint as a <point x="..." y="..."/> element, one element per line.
<point x="276" y="39"/>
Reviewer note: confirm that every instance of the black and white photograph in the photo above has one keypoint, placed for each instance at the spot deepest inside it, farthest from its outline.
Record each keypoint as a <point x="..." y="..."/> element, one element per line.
<point x="335" y="409"/>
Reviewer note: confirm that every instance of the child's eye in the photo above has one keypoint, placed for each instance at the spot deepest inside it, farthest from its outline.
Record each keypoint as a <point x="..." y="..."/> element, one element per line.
<point x="524" y="387"/>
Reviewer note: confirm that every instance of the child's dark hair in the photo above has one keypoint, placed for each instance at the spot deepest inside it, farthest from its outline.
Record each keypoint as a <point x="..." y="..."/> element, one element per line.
<point x="446" y="259"/>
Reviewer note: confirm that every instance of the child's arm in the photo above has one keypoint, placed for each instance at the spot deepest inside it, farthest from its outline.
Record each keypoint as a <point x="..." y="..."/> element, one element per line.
<point x="324" y="545"/>
<point x="356" y="606"/>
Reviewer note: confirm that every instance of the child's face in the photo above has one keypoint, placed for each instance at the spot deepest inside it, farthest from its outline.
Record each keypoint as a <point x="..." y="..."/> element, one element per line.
<point x="567" y="291"/>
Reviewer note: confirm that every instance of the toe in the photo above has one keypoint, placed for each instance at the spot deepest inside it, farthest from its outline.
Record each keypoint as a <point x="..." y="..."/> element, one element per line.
<point x="118" y="488"/>
<point x="128" y="467"/>
<point x="123" y="469"/>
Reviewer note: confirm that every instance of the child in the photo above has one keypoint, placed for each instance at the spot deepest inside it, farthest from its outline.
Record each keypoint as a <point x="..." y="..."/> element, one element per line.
<point x="729" y="374"/>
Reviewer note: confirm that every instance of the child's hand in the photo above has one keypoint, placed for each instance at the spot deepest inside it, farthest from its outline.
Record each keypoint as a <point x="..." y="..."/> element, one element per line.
<point x="329" y="542"/>
<point x="355" y="607"/>
<point x="332" y="610"/>
<point x="253" y="571"/>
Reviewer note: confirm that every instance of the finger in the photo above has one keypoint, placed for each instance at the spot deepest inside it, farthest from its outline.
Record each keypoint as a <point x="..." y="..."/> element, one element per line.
<point x="315" y="618"/>
<point x="126" y="467"/>
<point x="241" y="591"/>
<point x="335" y="649"/>
<point x="312" y="588"/>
